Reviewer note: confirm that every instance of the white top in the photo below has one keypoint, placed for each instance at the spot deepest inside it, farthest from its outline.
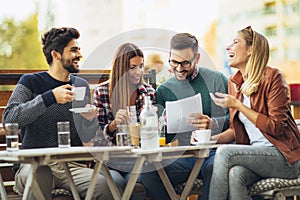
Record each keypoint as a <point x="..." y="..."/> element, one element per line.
<point x="255" y="135"/>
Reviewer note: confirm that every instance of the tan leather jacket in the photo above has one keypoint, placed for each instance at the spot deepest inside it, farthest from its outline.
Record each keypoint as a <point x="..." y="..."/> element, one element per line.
<point x="275" y="120"/>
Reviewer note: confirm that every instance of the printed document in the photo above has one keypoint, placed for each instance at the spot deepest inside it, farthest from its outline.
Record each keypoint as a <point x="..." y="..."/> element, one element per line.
<point x="178" y="112"/>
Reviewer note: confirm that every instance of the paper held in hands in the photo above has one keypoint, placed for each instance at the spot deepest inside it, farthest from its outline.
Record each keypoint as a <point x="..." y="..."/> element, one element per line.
<point x="178" y="112"/>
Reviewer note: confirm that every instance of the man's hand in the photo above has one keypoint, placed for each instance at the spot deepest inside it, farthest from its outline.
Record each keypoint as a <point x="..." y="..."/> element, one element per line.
<point x="91" y="114"/>
<point x="63" y="94"/>
<point x="200" y="121"/>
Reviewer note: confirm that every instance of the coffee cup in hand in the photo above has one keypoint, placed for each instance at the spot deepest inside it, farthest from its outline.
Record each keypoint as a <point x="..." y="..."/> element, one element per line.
<point x="79" y="93"/>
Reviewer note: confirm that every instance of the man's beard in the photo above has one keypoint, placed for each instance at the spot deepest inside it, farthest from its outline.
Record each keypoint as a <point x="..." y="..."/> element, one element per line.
<point x="69" y="66"/>
<point x="71" y="69"/>
<point x="189" y="73"/>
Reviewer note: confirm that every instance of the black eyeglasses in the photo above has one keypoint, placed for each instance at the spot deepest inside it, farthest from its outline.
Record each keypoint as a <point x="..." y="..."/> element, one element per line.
<point x="184" y="64"/>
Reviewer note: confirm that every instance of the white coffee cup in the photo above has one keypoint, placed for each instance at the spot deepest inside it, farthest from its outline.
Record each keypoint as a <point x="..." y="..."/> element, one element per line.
<point x="202" y="136"/>
<point x="79" y="93"/>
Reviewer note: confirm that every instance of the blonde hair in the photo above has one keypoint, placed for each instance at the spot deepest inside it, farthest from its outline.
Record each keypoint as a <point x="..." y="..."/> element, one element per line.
<point x="258" y="59"/>
<point x="119" y="92"/>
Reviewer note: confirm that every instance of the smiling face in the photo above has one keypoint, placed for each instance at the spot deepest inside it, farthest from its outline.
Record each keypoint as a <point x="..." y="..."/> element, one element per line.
<point x="71" y="57"/>
<point x="185" y="57"/>
<point x="238" y="53"/>
<point x="136" y="68"/>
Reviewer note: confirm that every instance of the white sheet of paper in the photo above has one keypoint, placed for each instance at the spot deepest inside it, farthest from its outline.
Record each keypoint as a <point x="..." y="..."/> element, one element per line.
<point x="178" y="112"/>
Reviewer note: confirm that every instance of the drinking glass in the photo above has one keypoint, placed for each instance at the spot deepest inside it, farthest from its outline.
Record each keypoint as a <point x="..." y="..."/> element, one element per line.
<point x="133" y="126"/>
<point x="63" y="134"/>
<point x="122" y="136"/>
<point x="12" y="136"/>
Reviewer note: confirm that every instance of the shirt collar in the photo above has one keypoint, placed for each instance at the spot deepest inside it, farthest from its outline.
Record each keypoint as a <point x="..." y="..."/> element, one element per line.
<point x="193" y="75"/>
<point x="237" y="78"/>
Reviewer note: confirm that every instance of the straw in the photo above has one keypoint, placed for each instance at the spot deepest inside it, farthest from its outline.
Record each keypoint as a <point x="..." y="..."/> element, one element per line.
<point x="129" y="115"/>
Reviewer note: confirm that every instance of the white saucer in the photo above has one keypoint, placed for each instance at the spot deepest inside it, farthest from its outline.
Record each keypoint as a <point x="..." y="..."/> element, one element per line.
<point x="80" y="110"/>
<point x="203" y="143"/>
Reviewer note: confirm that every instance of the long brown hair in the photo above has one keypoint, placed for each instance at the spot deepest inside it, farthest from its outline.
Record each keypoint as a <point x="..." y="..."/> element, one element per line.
<point x="119" y="83"/>
<point x="258" y="59"/>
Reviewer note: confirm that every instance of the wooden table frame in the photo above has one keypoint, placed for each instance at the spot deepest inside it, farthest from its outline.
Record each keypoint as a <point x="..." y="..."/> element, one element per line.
<point x="44" y="156"/>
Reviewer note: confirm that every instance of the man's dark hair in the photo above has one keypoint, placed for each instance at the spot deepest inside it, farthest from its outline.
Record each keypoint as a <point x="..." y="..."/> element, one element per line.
<point x="57" y="39"/>
<point x="184" y="40"/>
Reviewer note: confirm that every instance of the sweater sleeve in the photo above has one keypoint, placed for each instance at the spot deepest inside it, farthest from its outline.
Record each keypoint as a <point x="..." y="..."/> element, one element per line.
<point x="23" y="107"/>
<point x="160" y="100"/>
<point x="220" y="115"/>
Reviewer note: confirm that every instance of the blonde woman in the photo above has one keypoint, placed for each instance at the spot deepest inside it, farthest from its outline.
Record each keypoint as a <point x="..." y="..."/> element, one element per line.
<point x="261" y="123"/>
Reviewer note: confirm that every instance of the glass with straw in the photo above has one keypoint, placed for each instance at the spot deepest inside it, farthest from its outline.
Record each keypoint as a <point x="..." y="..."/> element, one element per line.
<point x="162" y="121"/>
<point x="133" y="127"/>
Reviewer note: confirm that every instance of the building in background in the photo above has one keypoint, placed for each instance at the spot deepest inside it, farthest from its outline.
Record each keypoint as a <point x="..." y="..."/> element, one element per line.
<point x="97" y="20"/>
<point x="104" y="24"/>
<point x="278" y="20"/>
<point x="102" y="21"/>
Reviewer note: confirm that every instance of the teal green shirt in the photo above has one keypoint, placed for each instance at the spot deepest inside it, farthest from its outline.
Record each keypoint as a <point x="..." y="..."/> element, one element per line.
<point x="206" y="81"/>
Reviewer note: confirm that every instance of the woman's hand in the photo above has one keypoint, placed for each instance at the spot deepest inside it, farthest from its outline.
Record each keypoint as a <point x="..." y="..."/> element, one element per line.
<point x="229" y="101"/>
<point x="121" y="117"/>
<point x="225" y="100"/>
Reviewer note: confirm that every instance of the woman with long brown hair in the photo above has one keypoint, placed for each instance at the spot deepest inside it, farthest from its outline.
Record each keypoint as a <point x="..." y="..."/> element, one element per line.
<point x="126" y="87"/>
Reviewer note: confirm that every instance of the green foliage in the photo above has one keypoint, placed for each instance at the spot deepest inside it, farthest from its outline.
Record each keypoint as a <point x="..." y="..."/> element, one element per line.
<point x="20" y="45"/>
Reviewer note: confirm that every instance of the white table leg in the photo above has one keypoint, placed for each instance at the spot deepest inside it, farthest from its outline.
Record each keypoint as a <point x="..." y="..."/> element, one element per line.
<point x="166" y="181"/>
<point x="133" y="178"/>
<point x="93" y="182"/>
<point x="72" y="184"/>
<point x="194" y="173"/>
<point x="31" y="185"/>
<point x="111" y="184"/>
<point x="2" y="189"/>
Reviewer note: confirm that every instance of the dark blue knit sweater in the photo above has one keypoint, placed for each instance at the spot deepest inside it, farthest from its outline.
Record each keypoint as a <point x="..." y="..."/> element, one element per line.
<point x="33" y="105"/>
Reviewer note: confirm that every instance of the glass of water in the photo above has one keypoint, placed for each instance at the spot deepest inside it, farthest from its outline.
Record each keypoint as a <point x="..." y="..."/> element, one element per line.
<point x="12" y="136"/>
<point x="122" y="137"/>
<point x="63" y="134"/>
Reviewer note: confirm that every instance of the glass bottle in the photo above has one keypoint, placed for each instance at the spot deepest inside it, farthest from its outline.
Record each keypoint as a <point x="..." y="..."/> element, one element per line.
<point x="149" y="126"/>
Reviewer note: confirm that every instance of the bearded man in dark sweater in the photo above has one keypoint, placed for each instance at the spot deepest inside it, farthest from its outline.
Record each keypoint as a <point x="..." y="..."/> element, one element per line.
<point x="40" y="100"/>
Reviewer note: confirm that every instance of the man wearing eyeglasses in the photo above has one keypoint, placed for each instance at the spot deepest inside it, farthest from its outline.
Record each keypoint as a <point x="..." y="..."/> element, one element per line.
<point x="188" y="81"/>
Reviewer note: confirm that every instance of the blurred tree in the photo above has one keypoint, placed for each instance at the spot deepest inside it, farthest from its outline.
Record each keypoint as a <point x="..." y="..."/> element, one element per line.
<point x="20" y="46"/>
